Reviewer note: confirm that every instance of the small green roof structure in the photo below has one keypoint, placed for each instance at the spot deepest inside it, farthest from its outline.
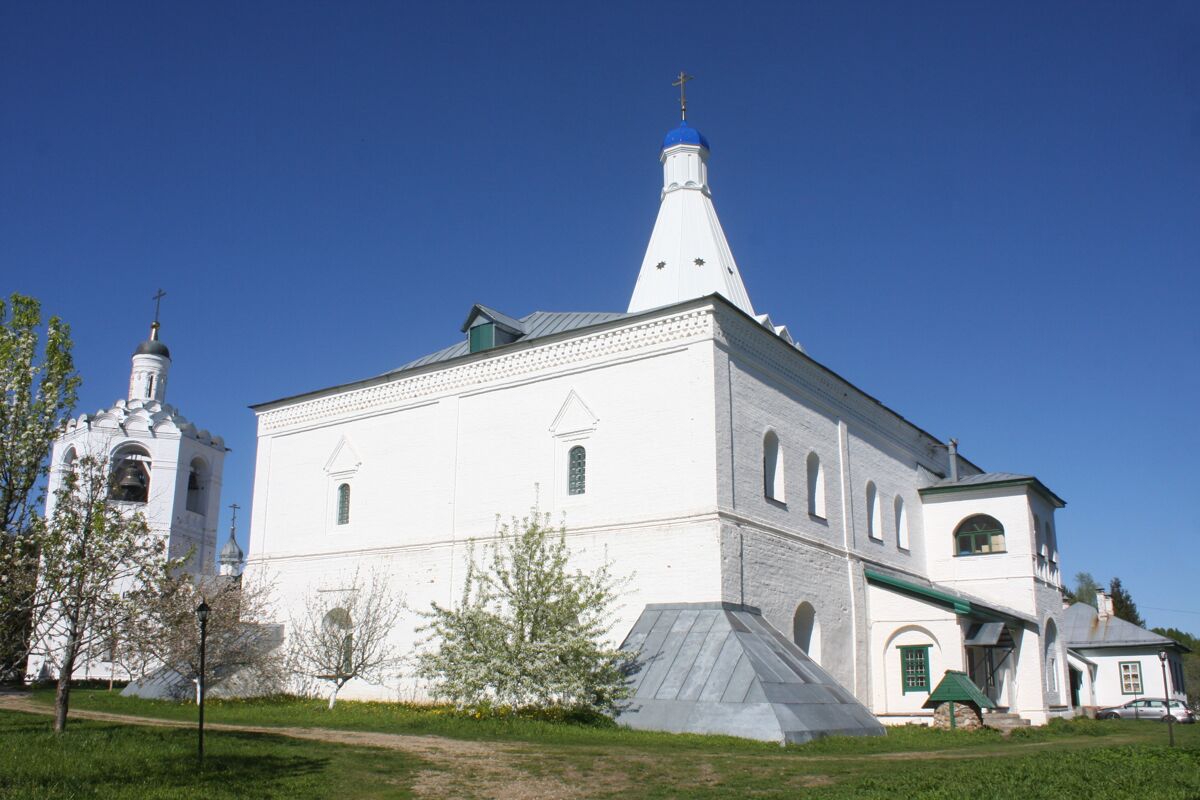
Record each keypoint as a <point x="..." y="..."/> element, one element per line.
<point x="956" y="687"/>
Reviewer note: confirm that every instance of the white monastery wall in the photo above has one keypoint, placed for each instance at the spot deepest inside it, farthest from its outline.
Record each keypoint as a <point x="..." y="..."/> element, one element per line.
<point x="433" y="472"/>
<point x="1109" y="690"/>
<point x="897" y="621"/>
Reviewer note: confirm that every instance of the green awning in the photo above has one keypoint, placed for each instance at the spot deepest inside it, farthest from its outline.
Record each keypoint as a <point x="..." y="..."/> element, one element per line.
<point x="956" y="687"/>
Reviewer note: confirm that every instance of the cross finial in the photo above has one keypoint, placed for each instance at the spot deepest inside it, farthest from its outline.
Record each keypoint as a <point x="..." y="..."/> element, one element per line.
<point x="233" y="521"/>
<point x="157" y="303"/>
<point x="681" y="82"/>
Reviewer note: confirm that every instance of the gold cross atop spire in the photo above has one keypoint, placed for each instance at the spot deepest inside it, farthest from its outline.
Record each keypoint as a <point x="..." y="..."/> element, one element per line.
<point x="157" y="302"/>
<point x="681" y="82"/>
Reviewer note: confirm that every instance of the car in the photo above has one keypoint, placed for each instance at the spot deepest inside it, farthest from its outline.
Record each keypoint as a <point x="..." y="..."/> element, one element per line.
<point x="1148" y="708"/>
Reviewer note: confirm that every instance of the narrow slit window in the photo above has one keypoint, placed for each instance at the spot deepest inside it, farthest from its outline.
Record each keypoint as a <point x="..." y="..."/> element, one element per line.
<point x="343" y="504"/>
<point x="816" y="486"/>
<point x="577" y="471"/>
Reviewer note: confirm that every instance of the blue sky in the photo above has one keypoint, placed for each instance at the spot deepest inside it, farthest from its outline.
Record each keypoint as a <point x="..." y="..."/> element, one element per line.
<point x="986" y="215"/>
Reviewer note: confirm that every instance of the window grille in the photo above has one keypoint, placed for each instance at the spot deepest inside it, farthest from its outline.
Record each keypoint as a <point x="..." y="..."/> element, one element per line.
<point x="577" y="471"/>
<point x="343" y="504"/>
<point x="914" y="668"/>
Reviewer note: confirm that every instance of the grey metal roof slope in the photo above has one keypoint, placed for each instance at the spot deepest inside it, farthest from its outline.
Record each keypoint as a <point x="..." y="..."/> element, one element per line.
<point x="721" y="668"/>
<point x="535" y="326"/>
<point x="502" y="319"/>
<point x="962" y="603"/>
<point x="1084" y="629"/>
<point x="985" y="479"/>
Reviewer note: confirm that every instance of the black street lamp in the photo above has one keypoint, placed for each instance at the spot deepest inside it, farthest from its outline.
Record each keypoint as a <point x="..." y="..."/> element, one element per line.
<point x="1162" y="659"/>
<point x="202" y="618"/>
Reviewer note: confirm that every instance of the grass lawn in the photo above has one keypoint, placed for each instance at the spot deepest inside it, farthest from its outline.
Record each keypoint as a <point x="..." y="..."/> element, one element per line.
<point x="108" y="760"/>
<point x="508" y="758"/>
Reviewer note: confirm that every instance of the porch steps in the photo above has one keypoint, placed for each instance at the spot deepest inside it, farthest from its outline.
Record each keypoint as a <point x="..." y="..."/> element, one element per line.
<point x="1004" y="722"/>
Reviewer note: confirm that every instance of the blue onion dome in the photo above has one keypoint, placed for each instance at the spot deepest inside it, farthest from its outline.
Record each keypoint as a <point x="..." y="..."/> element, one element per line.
<point x="684" y="134"/>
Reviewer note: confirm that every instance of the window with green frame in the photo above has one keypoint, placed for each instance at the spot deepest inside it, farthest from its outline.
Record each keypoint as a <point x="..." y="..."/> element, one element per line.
<point x="978" y="535"/>
<point x="914" y="668"/>
<point x="1131" y="677"/>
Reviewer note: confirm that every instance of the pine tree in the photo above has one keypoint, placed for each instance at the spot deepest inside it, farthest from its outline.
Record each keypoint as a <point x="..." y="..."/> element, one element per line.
<point x="1123" y="605"/>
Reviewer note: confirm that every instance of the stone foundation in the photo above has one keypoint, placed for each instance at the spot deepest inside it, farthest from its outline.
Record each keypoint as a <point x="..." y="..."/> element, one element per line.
<point x="965" y="717"/>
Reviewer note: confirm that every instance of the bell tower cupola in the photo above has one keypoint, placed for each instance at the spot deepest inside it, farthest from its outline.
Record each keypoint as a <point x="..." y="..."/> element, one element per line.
<point x="151" y="363"/>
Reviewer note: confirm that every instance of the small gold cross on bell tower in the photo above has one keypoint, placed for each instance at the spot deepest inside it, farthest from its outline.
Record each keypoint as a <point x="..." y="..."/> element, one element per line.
<point x="681" y="82"/>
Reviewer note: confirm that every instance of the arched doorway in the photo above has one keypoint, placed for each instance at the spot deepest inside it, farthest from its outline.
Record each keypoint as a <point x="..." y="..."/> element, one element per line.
<point x="806" y="630"/>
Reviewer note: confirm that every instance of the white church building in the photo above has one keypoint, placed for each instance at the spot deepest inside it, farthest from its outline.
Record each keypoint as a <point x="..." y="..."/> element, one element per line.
<point x="694" y="444"/>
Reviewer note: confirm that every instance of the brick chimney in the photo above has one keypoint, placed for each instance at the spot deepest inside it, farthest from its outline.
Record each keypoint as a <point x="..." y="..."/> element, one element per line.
<point x="1104" y="605"/>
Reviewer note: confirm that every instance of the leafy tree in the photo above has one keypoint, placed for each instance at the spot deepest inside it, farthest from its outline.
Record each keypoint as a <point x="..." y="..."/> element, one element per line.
<point x="528" y="630"/>
<point x="1085" y="589"/>
<point x="1123" y="605"/>
<point x="90" y="551"/>
<point x="240" y="645"/>
<point x="346" y="635"/>
<point x="39" y="394"/>
<point x="1186" y="639"/>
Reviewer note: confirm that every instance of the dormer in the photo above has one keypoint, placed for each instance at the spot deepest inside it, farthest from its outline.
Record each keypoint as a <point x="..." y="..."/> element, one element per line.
<point x="487" y="328"/>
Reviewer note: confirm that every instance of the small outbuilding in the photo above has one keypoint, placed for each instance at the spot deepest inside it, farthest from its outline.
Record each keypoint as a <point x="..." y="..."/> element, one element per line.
<point x="957" y="702"/>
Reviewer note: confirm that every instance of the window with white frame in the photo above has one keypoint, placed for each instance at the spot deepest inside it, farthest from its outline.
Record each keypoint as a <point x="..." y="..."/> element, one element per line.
<point x="1131" y="677"/>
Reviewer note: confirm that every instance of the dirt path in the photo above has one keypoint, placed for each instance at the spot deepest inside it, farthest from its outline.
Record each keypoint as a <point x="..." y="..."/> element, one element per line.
<point x="459" y="768"/>
<point x="472" y="769"/>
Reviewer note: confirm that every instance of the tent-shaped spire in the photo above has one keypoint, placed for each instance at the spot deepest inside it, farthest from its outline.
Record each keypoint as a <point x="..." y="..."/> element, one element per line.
<point x="688" y="255"/>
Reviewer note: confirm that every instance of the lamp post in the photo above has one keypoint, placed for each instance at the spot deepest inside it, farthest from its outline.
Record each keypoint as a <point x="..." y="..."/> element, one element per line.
<point x="202" y="618"/>
<point x="1162" y="660"/>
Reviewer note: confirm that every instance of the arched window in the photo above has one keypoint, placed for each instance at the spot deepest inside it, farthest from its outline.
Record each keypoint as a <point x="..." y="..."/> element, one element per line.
<point x="874" y="519"/>
<point x="901" y="524"/>
<point x="773" y="485"/>
<point x="1039" y="539"/>
<point x="343" y="504"/>
<point x="979" y="534"/>
<point x="577" y="470"/>
<point x="1051" y="658"/>
<point x="68" y="460"/>
<point x="816" y="486"/>
<point x="806" y="631"/>
<point x="197" y="488"/>
<point x="130" y="479"/>
<point x="1051" y="543"/>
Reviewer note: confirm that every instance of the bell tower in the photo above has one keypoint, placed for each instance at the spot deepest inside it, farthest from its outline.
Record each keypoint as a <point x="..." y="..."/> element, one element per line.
<point x="162" y="464"/>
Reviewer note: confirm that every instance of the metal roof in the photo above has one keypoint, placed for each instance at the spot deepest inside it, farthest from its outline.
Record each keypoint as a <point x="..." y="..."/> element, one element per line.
<point x="500" y="318"/>
<point x="535" y="326"/>
<point x="722" y="668"/>
<point x="1084" y="629"/>
<point x="957" y="687"/>
<point x="961" y="603"/>
<point x="992" y="479"/>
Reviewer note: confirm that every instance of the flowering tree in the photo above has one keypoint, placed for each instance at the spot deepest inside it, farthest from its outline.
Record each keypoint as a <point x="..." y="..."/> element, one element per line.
<point x="37" y="398"/>
<point x="343" y="635"/>
<point x="91" y="553"/>
<point x="528" y="630"/>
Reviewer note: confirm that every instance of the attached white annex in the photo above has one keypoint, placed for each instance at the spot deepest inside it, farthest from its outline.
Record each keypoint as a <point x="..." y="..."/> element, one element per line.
<point x="1114" y="662"/>
<point x="691" y="442"/>
<point x="162" y="466"/>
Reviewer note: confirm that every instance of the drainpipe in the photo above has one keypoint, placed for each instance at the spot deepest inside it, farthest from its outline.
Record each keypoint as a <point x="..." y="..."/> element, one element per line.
<point x="952" y="449"/>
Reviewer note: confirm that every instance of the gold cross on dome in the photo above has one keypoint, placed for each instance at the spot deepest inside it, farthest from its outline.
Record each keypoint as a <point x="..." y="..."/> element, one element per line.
<point x="681" y="82"/>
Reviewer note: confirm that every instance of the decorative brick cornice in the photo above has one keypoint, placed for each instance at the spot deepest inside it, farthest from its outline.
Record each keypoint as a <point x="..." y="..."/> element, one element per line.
<point x="510" y="363"/>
